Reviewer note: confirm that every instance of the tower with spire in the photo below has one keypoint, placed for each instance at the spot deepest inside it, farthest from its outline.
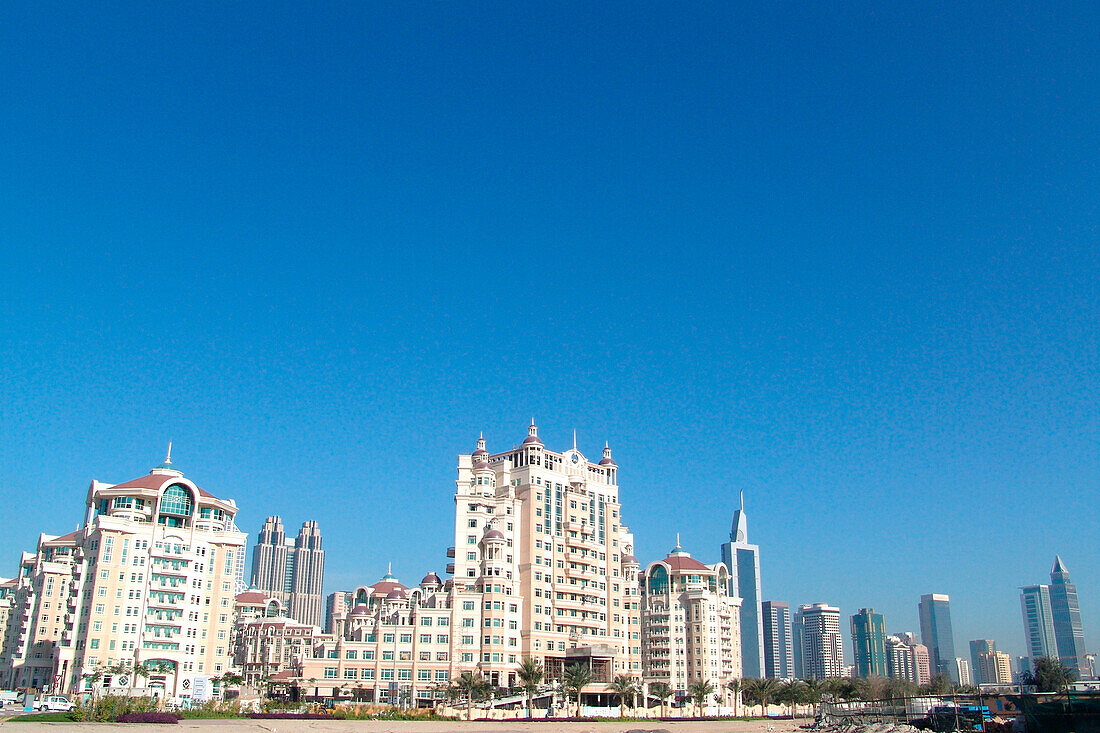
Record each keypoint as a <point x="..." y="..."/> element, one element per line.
<point x="1069" y="635"/>
<point x="742" y="559"/>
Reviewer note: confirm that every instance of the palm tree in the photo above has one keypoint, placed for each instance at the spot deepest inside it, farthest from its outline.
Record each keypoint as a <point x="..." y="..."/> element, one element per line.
<point x="813" y="689"/>
<point x="530" y="674"/>
<point x="699" y="691"/>
<point x="790" y="692"/>
<point x="574" y="679"/>
<point x="734" y="686"/>
<point x="662" y="692"/>
<point x="472" y="685"/>
<point x="626" y="688"/>
<point x="765" y="690"/>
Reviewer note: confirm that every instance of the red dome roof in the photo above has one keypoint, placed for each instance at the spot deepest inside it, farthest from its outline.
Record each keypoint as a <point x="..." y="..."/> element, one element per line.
<point x="431" y="579"/>
<point x="683" y="562"/>
<point x="493" y="534"/>
<point x="395" y="594"/>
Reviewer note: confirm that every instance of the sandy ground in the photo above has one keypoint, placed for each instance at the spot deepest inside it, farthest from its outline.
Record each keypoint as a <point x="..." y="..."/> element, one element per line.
<point x="443" y="726"/>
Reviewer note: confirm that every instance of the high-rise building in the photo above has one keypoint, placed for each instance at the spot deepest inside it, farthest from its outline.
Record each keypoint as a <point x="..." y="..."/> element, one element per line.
<point x="993" y="668"/>
<point x="1039" y="639"/>
<point x="899" y="659"/>
<point x="743" y="561"/>
<point x="291" y="570"/>
<point x="978" y="647"/>
<point x="817" y="641"/>
<point x="540" y="543"/>
<point x="922" y="658"/>
<point x="689" y="623"/>
<point x="935" y="632"/>
<point x="1069" y="634"/>
<point x="148" y="579"/>
<point x="962" y="671"/>
<point x="869" y="643"/>
<point x="338" y="603"/>
<point x="778" y="650"/>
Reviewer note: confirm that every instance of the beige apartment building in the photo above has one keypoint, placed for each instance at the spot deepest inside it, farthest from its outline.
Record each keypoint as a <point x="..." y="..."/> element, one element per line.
<point x="147" y="580"/>
<point x="690" y="624"/>
<point x="539" y="534"/>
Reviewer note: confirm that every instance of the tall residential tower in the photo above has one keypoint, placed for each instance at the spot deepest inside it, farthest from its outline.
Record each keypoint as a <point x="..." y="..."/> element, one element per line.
<point x="817" y="641"/>
<point x="778" y="650"/>
<point x="291" y="570"/>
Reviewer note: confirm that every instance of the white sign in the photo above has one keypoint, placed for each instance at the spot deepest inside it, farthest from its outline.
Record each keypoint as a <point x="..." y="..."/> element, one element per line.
<point x="201" y="689"/>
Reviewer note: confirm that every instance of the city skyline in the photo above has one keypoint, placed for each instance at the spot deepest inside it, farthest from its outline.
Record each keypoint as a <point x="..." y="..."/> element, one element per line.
<point x="847" y="640"/>
<point x="842" y="259"/>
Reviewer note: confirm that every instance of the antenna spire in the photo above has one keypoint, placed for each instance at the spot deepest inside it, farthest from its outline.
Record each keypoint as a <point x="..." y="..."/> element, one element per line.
<point x="168" y="458"/>
<point x="574" y="438"/>
<point x="742" y="500"/>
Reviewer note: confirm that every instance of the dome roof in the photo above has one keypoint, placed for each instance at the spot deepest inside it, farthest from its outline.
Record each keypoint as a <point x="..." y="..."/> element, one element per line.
<point x="532" y="435"/>
<point x="431" y="579"/>
<point x="396" y="593"/>
<point x="482" y="465"/>
<point x="493" y="534"/>
<point x="630" y="560"/>
<point x="360" y="610"/>
<point x="608" y="462"/>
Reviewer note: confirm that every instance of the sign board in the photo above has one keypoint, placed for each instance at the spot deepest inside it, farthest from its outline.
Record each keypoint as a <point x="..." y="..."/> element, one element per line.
<point x="201" y="689"/>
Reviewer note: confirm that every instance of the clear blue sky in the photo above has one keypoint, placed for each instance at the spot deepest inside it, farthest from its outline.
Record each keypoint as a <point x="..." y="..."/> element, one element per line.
<point x="844" y="259"/>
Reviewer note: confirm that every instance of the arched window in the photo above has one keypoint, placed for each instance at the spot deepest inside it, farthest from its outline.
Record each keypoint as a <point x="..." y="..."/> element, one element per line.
<point x="177" y="501"/>
<point x="658" y="580"/>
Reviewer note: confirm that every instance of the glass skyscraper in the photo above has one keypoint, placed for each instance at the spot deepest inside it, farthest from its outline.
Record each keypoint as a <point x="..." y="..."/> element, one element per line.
<point x="743" y="562"/>
<point x="869" y="643"/>
<point x="936" y="634"/>
<point x="1069" y="635"/>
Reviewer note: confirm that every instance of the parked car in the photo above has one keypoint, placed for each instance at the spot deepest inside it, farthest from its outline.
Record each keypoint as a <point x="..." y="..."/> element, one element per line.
<point x="54" y="702"/>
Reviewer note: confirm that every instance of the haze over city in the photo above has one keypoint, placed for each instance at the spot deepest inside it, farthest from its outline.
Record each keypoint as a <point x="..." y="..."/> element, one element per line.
<point x="323" y="249"/>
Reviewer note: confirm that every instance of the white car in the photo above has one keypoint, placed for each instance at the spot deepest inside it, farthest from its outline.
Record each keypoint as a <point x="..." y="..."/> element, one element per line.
<point x="54" y="702"/>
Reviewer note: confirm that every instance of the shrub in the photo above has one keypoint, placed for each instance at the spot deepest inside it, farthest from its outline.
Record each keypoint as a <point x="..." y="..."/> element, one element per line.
<point x="147" y="718"/>
<point x="293" y="716"/>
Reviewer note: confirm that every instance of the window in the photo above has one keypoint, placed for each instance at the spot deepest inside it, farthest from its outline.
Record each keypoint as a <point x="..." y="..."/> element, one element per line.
<point x="176" y="500"/>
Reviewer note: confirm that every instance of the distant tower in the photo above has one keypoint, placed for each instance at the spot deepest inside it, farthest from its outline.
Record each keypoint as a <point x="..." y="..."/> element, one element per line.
<point x="818" y="644"/>
<point x="869" y="643"/>
<point x="1069" y="635"/>
<point x="934" y="611"/>
<point x="743" y="561"/>
<point x="305" y="602"/>
<point x="978" y="649"/>
<point x="778" y="656"/>
<point x="1039" y="640"/>
<point x="291" y="570"/>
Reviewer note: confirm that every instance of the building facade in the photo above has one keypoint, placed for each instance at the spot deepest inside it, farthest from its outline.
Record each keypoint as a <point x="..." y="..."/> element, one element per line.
<point x="291" y="570"/>
<point x="993" y="668"/>
<point x="1069" y="634"/>
<point x="147" y="580"/>
<point x="817" y="641"/>
<point x="690" y="624"/>
<point x="266" y="641"/>
<point x="742" y="560"/>
<point x="978" y="647"/>
<point x="539" y="537"/>
<point x="778" y="648"/>
<point x="934" y="611"/>
<point x="869" y="643"/>
<point x="899" y="659"/>
<point x="1039" y="639"/>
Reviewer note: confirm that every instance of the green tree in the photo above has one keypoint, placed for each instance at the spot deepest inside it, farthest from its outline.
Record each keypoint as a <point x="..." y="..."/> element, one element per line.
<point x="574" y="679"/>
<point x="699" y="691"/>
<point x="734" y="686"/>
<point x="940" y="684"/>
<point x="472" y="686"/>
<point x="790" y="692"/>
<point x="765" y="691"/>
<point x="662" y="692"/>
<point x="1049" y="675"/>
<point x="626" y="687"/>
<point x="813" y="690"/>
<point x="530" y="674"/>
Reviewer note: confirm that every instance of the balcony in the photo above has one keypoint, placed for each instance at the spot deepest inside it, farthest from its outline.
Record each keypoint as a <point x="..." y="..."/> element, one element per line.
<point x="450" y="568"/>
<point x="450" y="552"/>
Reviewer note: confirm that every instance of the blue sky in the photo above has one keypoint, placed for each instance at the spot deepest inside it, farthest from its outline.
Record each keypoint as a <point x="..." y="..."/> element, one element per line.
<point x="841" y="257"/>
